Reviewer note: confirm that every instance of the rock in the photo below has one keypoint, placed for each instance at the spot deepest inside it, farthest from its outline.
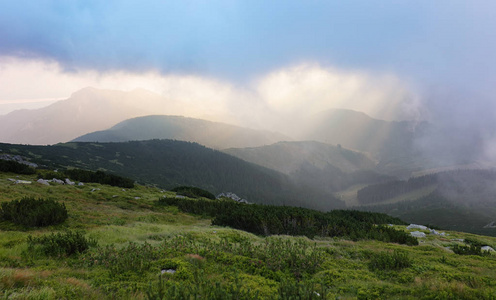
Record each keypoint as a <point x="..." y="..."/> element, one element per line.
<point x="487" y="248"/>
<point x="22" y="182"/>
<point x="490" y="225"/>
<point x="80" y="184"/>
<point x="57" y="181"/>
<point x="69" y="182"/>
<point x="415" y="226"/>
<point x="232" y="196"/>
<point x="180" y="197"/>
<point x="168" y="271"/>
<point x="417" y="234"/>
<point x="137" y="198"/>
<point x="43" y="181"/>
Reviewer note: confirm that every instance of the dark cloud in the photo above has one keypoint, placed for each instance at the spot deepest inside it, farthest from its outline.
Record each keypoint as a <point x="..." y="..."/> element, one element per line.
<point x="424" y="40"/>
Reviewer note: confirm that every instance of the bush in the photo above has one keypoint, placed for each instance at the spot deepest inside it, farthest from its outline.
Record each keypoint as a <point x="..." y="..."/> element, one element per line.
<point x="61" y="244"/>
<point x="99" y="177"/>
<point x="15" y="167"/>
<point x="469" y="250"/>
<point x="33" y="213"/>
<point x="193" y="192"/>
<point x="277" y="220"/>
<point x="386" y="261"/>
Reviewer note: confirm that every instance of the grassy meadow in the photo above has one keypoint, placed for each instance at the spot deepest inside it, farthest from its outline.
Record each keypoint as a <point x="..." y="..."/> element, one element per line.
<point x="142" y="250"/>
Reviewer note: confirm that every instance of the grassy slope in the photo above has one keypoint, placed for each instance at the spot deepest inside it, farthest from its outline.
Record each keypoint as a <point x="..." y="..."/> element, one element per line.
<point x="117" y="217"/>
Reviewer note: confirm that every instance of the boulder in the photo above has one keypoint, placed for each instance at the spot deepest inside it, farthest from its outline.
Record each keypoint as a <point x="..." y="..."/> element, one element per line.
<point x="415" y="226"/>
<point x="487" y="248"/>
<point x="417" y="234"/>
<point x="57" y="181"/>
<point x="43" y="181"/>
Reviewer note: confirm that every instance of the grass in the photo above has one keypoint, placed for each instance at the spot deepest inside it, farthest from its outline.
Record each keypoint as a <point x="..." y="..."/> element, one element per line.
<point x="137" y="240"/>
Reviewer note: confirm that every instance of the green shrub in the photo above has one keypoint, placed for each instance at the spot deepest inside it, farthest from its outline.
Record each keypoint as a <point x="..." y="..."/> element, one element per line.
<point x="193" y="192"/>
<point x="386" y="261"/>
<point x="61" y="244"/>
<point x="99" y="177"/>
<point x="15" y="167"/>
<point x="33" y="213"/>
<point x="275" y="220"/>
<point x="469" y="250"/>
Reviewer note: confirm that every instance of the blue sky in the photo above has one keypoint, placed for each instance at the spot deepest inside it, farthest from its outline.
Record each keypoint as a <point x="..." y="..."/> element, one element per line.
<point x="433" y="46"/>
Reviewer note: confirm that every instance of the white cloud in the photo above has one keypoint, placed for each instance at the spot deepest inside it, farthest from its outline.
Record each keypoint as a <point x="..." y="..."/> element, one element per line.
<point x="280" y="95"/>
<point x="308" y="89"/>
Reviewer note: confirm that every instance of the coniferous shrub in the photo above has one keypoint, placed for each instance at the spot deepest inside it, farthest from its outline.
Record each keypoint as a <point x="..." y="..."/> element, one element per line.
<point x="33" y="213"/>
<point x="469" y="250"/>
<point x="193" y="192"/>
<point x="61" y="244"/>
<point x="15" y="167"/>
<point x="274" y="220"/>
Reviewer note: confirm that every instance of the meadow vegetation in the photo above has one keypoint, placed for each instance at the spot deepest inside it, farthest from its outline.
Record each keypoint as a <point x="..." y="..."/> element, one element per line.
<point x="133" y="244"/>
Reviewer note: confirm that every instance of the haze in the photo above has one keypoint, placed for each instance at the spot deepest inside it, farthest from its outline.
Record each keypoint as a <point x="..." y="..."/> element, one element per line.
<point x="264" y="64"/>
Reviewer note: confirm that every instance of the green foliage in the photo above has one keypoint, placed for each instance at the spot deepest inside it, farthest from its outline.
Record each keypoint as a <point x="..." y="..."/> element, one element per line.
<point x="193" y="192"/>
<point x="136" y="258"/>
<point x="99" y="177"/>
<point x="34" y="213"/>
<point x="203" y="288"/>
<point x="61" y="244"/>
<point x="473" y="242"/>
<point x="469" y="250"/>
<point x="387" y="261"/>
<point x="273" y="220"/>
<point x="15" y="167"/>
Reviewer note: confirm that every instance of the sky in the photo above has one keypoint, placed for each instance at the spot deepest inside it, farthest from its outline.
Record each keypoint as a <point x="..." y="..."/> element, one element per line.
<point x="394" y="60"/>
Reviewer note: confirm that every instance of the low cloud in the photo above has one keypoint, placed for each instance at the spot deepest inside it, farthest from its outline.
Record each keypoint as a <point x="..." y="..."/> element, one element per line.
<point x="287" y="92"/>
<point x="309" y="89"/>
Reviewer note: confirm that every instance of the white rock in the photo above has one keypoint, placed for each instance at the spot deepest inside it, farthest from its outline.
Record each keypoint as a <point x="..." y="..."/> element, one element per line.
<point x="81" y="184"/>
<point x="22" y="182"/>
<point x="57" y="181"/>
<point x="487" y="248"/>
<point x="415" y="226"/>
<point x="43" y="181"/>
<point x="417" y="234"/>
<point x="69" y="182"/>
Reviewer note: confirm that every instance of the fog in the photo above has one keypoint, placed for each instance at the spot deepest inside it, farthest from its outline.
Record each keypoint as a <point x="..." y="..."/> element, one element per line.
<point x="461" y="124"/>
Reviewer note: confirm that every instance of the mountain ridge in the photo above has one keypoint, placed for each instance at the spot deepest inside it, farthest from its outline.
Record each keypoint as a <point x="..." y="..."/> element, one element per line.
<point x="211" y="134"/>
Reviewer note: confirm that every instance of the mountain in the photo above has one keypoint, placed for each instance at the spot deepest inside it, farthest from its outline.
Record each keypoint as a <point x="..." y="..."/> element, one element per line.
<point x="84" y="111"/>
<point x="288" y="157"/>
<point x="313" y="164"/>
<point x="457" y="200"/>
<point x="392" y="144"/>
<point x="211" y="134"/>
<point x="168" y="163"/>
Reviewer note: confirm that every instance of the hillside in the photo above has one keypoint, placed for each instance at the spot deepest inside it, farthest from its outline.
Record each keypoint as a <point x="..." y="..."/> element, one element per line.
<point x="167" y="163"/>
<point x="315" y="164"/>
<point x="143" y="250"/>
<point x="459" y="200"/>
<point x="210" y="134"/>
<point x="391" y="143"/>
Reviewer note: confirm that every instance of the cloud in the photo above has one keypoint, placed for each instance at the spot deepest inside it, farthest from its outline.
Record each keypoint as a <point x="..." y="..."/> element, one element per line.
<point x="307" y="89"/>
<point x="302" y="89"/>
